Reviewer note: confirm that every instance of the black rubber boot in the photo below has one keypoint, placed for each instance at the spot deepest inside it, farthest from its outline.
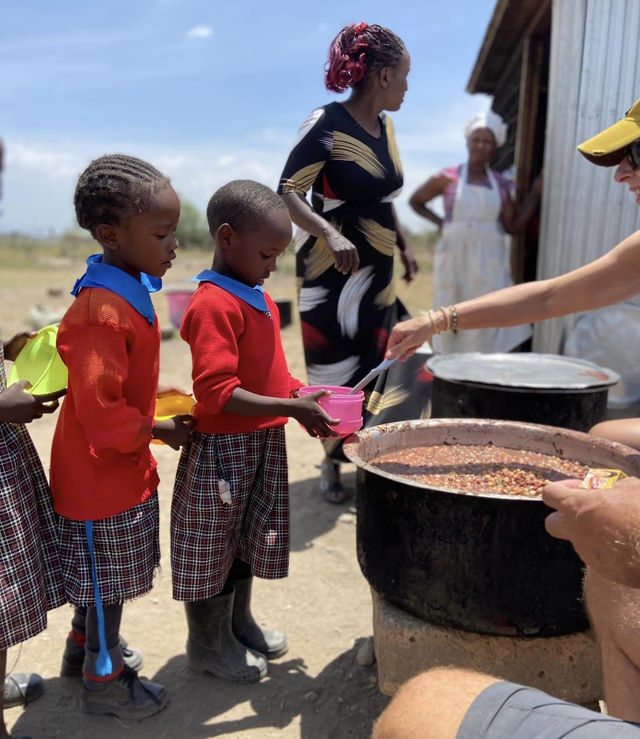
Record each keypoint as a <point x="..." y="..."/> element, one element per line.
<point x="213" y="648"/>
<point x="73" y="657"/>
<point x="330" y="483"/>
<point x="269" y="642"/>
<point x="125" y="695"/>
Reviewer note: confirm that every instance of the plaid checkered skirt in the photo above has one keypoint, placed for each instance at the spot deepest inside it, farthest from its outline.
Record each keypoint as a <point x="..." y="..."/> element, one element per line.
<point x="207" y="532"/>
<point x="30" y="573"/>
<point x="126" y="549"/>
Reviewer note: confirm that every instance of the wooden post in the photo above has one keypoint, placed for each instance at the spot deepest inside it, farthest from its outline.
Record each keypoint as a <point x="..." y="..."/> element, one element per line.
<point x="532" y="56"/>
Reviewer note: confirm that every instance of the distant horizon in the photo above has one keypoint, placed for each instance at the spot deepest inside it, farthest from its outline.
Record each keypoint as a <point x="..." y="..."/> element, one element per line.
<point x="207" y="95"/>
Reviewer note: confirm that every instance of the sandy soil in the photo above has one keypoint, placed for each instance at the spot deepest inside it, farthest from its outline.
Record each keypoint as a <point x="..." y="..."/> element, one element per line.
<point x="318" y="689"/>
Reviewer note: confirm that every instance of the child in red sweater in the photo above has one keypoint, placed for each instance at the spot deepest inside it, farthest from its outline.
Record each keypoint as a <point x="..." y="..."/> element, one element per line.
<point x="103" y="476"/>
<point x="230" y="513"/>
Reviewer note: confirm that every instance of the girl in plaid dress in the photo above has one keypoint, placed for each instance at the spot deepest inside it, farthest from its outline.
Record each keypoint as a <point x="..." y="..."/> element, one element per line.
<point x="230" y="513"/>
<point x="103" y="476"/>
<point x="31" y="580"/>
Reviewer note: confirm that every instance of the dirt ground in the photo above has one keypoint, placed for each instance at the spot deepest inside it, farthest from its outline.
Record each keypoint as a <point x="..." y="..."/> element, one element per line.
<point x="317" y="690"/>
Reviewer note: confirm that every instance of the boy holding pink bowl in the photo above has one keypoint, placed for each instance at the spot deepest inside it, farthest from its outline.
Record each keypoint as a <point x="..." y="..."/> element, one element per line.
<point x="230" y="512"/>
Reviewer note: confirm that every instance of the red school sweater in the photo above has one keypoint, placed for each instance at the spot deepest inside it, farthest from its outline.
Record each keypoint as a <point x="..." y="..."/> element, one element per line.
<point x="101" y="464"/>
<point x="233" y="345"/>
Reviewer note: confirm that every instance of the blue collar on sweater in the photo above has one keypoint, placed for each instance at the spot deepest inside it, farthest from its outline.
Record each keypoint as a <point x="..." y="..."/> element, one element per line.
<point x="135" y="292"/>
<point x="254" y="296"/>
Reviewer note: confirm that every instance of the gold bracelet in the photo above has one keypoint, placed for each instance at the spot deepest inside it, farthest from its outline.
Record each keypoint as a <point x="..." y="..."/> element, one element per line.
<point x="433" y="325"/>
<point x="446" y="316"/>
<point x="431" y="315"/>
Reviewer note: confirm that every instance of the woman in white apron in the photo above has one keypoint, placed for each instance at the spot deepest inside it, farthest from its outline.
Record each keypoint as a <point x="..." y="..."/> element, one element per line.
<point x="472" y="257"/>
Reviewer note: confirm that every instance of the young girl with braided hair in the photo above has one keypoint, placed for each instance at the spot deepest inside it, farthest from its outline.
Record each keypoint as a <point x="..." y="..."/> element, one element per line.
<point x="347" y="155"/>
<point x="103" y="475"/>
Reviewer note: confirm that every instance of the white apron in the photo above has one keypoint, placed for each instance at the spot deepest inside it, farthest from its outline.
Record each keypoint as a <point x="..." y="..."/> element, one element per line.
<point x="471" y="260"/>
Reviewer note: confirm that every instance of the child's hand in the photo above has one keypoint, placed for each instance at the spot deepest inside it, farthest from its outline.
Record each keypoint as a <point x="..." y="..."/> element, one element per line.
<point x="316" y="420"/>
<point x="19" y="406"/>
<point x="174" y="431"/>
<point x="14" y="346"/>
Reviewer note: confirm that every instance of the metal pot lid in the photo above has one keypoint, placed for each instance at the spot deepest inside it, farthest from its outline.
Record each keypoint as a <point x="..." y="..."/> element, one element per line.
<point x="526" y="370"/>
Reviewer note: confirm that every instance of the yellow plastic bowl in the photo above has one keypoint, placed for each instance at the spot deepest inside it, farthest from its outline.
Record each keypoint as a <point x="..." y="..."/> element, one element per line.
<point x="40" y="363"/>
<point x="173" y="404"/>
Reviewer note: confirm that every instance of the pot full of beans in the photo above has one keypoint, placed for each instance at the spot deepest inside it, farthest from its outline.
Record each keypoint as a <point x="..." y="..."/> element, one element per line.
<point x="535" y="388"/>
<point x="450" y="522"/>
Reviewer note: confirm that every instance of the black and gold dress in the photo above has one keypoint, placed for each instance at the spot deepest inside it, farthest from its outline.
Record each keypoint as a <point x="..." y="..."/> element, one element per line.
<point x="346" y="319"/>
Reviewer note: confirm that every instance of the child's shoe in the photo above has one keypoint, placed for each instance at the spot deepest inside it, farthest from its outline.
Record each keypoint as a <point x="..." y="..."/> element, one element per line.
<point x="21" y="688"/>
<point x="213" y="648"/>
<point x="269" y="642"/>
<point x="127" y="696"/>
<point x="73" y="655"/>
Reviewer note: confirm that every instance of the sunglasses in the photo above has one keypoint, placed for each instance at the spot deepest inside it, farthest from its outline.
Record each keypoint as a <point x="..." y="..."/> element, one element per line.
<point x="632" y="152"/>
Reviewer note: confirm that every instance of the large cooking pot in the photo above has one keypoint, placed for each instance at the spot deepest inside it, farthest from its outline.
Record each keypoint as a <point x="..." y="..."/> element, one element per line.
<point x="536" y="388"/>
<point x="481" y="563"/>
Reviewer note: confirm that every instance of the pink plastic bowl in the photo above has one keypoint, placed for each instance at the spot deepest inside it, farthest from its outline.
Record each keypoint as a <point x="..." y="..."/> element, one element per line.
<point x="340" y="404"/>
<point x="178" y="301"/>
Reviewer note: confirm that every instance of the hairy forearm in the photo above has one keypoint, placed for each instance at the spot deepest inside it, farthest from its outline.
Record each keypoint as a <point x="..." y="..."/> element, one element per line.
<point x="245" y="403"/>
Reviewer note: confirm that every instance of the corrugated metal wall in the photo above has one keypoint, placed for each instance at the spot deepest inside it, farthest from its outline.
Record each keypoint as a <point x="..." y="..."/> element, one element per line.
<point x="594" y="78"/>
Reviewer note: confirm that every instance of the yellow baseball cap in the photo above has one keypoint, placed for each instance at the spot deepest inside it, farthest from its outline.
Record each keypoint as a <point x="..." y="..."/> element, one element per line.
<point x="607" y="147"/>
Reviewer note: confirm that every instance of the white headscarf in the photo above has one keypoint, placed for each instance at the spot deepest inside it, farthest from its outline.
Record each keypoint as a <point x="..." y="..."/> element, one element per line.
<point x="489" y="120"/>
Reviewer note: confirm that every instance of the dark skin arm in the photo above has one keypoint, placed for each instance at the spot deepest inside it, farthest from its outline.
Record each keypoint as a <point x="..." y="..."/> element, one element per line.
<point x="345" y="254"/>
<point x="514" y="220"/>
<point x="16" y="404"/>
<point x="14" y="346"/>
<point x="174" y="432"/>
<point x="429" y="190"/>
<point x="406" y="252"/>
<point x="19" y="406"/>
<point x="305" y="409"/>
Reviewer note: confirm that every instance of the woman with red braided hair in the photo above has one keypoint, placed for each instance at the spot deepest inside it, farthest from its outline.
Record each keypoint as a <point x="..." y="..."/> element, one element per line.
<point x="347" y="155"/>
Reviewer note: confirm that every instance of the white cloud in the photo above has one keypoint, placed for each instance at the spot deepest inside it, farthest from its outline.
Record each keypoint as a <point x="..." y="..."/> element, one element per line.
<point x="37" y="158"/>
<point x="41" y="173"/>
<point x="199" y="32"/>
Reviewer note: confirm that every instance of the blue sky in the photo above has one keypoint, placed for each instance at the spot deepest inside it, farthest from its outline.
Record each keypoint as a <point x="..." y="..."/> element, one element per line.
<point x="207" y="91"/>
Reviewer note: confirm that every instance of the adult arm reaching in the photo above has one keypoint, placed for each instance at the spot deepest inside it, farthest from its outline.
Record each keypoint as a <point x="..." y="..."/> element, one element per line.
<point x="607" y="280"/>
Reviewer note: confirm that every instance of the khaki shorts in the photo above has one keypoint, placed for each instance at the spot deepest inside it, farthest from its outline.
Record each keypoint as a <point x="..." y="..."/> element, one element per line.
<point x="509" y="711"/>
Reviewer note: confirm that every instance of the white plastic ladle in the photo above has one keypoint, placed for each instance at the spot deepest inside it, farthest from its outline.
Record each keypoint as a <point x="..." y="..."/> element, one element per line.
<point x="386" y="363"/>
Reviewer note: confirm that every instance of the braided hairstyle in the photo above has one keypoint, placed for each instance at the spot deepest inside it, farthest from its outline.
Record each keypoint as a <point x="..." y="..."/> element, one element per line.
<point x="358" y="52"/>
<point x="243" y="204"/>
<point x="113" y="188"/>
